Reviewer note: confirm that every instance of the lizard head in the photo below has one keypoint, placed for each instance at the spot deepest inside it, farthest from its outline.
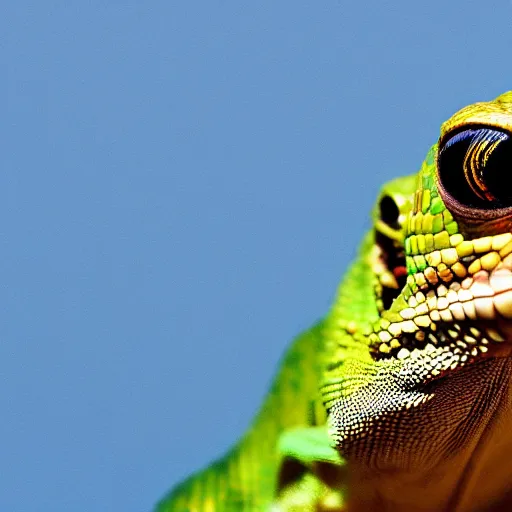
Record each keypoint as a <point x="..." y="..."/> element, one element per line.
<point x="457" y="297"/>
<point x="435" y="362"/>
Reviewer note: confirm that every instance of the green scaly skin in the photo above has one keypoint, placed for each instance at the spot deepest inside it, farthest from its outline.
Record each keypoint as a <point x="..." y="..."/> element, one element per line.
<point x="414" y="369"/>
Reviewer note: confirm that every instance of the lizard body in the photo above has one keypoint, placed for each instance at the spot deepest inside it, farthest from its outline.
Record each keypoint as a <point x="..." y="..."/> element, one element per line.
<point x="412" y="362"/>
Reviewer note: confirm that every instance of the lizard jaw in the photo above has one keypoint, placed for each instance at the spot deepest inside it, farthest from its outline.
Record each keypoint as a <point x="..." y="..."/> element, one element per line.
<point x="387" y="260"/>
<point x="453" y="320"/>
<point x="449" y="332"/>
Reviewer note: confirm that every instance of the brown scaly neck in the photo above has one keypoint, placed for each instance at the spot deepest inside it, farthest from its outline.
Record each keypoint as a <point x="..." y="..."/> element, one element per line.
<point x="463" y="451"/>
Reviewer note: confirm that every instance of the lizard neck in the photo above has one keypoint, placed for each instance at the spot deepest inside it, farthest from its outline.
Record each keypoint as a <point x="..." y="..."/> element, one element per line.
<point x="472" y="456"/>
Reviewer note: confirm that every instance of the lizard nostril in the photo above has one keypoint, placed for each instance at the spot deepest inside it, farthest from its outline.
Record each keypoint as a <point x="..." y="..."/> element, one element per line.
<point x="389" y="211"/>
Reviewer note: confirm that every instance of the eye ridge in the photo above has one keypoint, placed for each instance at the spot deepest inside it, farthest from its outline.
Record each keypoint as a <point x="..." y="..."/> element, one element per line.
<point x="473" y="164"/>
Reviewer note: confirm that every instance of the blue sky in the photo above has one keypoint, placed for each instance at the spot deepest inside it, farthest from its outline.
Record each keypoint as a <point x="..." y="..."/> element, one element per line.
<point x="182" y="186"/>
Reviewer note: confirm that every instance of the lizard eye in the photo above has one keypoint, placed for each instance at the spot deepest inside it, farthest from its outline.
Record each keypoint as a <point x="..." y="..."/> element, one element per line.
<point x="475" y="166"/>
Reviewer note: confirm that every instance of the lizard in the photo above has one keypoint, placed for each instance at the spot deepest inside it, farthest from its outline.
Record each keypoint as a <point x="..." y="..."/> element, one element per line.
<point x="412" y="361"/>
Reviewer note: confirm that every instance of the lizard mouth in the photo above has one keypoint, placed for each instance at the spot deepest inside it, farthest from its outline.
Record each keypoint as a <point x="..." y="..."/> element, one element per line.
<point x="387" y="257"/>
<point x="388" y="264"/>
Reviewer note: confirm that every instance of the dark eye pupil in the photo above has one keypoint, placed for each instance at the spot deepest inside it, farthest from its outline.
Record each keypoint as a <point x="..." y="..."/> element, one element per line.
<point x="389" y="211"/>
<point x="475" y="167"/>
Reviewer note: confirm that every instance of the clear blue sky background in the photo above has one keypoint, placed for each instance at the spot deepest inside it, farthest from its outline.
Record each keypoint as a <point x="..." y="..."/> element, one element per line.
<point x="182" y="186"/>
